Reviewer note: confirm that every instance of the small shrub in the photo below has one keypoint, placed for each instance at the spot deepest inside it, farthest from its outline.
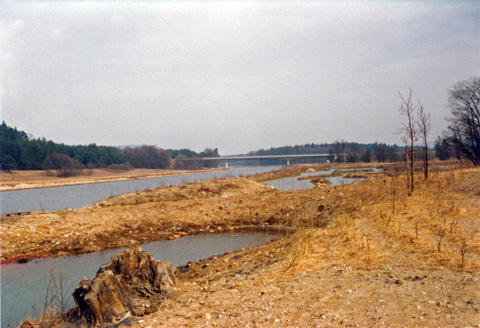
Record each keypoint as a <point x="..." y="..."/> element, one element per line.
<point x="64" y="165"/>
<point x="120" y="167"/>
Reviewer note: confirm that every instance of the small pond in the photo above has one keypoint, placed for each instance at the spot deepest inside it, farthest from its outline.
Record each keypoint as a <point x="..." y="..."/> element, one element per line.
<point x="23" y="286"/>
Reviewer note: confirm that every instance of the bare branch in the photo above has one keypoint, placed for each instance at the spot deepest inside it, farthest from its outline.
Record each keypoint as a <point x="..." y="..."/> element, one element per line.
<point x="409" y="131"/>
<point x="423" y="126"/>
<point x="464" y="128"/>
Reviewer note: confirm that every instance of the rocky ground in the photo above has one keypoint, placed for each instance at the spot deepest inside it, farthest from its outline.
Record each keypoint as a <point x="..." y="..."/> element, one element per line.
<point x="364" y="255"/>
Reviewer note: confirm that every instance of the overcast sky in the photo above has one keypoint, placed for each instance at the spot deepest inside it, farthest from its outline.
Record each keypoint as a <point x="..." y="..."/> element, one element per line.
<point x="237" y="76"/>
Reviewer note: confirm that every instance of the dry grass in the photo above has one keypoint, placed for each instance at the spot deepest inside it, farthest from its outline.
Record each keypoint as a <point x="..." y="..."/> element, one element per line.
<point x="377" y="223"/>
<point x="375" y="264"/>
<point x="364" y="254"/>
<point x="437" y="221"/>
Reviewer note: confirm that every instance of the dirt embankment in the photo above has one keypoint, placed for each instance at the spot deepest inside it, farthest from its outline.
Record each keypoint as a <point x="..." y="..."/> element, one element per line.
<point x="364" y="254"/>
<point x="167" y="212"/>
<point x="385" y="259"/>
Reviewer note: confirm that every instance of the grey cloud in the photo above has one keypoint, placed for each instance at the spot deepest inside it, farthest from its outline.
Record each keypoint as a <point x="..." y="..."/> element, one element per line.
<point x="238" y="76"/>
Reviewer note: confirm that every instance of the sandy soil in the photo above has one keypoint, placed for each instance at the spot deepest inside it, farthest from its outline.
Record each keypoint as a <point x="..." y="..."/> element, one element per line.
<point x="364" y="255"/>
<point x="168" y="212"/>
<point x="363" y="269"/>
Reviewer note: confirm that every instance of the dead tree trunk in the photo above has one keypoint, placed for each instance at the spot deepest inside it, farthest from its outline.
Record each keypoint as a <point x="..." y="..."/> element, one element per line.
<point x="407" y="159"/>
<point x="425" y="162"/>
<point x="412" y="171"/>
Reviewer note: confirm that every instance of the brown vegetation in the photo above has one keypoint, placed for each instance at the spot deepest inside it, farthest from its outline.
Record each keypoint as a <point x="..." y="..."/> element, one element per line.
<point x="375" y="264"/>
<point x="363" y="255"/>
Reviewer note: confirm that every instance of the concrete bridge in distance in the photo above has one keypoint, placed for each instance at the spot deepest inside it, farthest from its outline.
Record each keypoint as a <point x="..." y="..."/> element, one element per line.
<point x="287" y="158"/>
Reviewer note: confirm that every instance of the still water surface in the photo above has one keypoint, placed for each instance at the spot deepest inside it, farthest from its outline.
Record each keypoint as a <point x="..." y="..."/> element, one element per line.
<point x="23" y="285"/>
<point x="293" y="183"/>
<point x="77" y="196"/>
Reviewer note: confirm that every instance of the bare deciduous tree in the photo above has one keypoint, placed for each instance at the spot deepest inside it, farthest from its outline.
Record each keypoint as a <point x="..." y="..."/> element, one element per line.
<point x="409" y="131"/>
<point x="209" y="152"/>
<point x="424" y="125"/>
<point x="149" y="157"/>
<point x="464" y="128"/>
<point x="64" y="165"/>
<point x="442" y="148"/>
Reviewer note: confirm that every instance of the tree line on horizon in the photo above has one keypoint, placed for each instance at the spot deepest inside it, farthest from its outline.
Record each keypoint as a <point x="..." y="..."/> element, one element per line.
<point x="18" y="151"/>
<point x="460" y="140"/>
<point x="341" y="151"/>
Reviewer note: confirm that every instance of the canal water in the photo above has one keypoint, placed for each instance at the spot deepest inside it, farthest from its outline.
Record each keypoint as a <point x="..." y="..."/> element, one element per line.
<point x="77" y="196"/>
<point x="23" y="286"/>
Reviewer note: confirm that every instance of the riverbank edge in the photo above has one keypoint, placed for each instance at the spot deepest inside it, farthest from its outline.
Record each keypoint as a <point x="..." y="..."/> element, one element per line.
<point x="225" y="225"/>
<point x="49" y="184"/>
<point x="24" y="258"/>
<point x="294" y="170"/>
<point x="373" y="269"/>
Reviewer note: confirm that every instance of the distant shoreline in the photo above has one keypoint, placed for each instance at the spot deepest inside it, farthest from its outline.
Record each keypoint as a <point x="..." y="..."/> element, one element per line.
<point x="22" y="180"/>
